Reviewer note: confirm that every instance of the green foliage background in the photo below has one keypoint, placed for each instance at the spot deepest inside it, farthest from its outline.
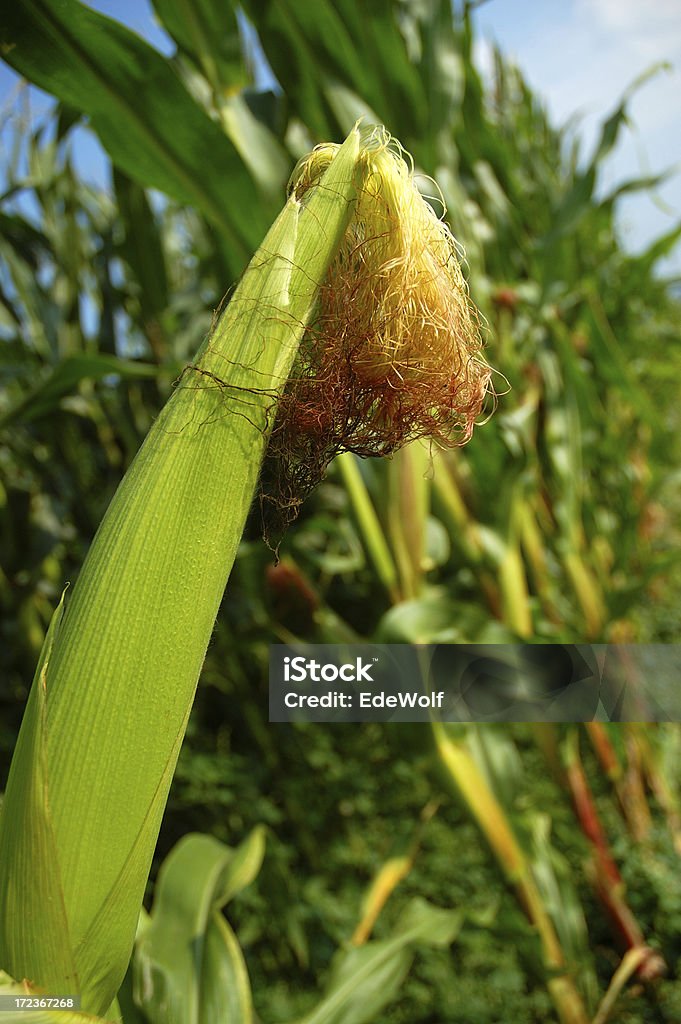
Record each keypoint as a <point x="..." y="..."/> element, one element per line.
<point x="558" y="522"/>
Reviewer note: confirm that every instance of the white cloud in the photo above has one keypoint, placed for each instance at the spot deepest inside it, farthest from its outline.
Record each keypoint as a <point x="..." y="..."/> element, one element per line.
<point x="651" y="29"/>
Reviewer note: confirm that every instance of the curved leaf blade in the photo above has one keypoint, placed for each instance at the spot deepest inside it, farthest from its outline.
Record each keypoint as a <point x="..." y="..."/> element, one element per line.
<point x="188" y="967"/>
<point x="366" y="978"/>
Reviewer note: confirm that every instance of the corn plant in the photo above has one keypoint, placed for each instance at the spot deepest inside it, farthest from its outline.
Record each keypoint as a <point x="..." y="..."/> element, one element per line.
<point x="555" y="524"/>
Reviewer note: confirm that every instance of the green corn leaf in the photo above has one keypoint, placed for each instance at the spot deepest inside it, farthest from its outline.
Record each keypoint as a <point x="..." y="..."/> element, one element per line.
<point x="660" y="247"/>
<point x="611" y="127"/>
<point x="224" y="983"/>
<point x="365" y="979"/>
<point x="647" y="183"/>
<point x="242" y="868"/>
<point x="208" y="32"/>
<point x="188" y="966"/>
<point x="141" y="247"/>
<point x="165" y="141"/>
<point x="107" y="721"/>
<point x="300" y="39"/>
<point x="555" y="882"/>
<point x="29" y="297"/>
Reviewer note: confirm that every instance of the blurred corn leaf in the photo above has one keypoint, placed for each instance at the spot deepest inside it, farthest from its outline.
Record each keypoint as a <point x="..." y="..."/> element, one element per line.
<point x="188" y="965"/>
<point x="208" y="33"/>
<point x="316" y="44"/>
<point x="142" y="248"/>
<point x="498" y="758"/>
<point x="365" y="979"/>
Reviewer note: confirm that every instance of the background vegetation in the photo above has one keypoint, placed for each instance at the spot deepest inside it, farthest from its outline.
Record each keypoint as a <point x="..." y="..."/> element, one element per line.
<point x="558" y="522"/>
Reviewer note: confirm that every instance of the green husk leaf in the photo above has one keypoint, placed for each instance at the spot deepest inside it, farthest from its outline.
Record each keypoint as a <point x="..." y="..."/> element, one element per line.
<point x="121" y="676"/>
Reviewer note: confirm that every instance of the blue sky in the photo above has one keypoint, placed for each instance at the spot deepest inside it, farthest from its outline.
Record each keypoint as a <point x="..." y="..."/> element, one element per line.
<point x="579" y="55"/>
